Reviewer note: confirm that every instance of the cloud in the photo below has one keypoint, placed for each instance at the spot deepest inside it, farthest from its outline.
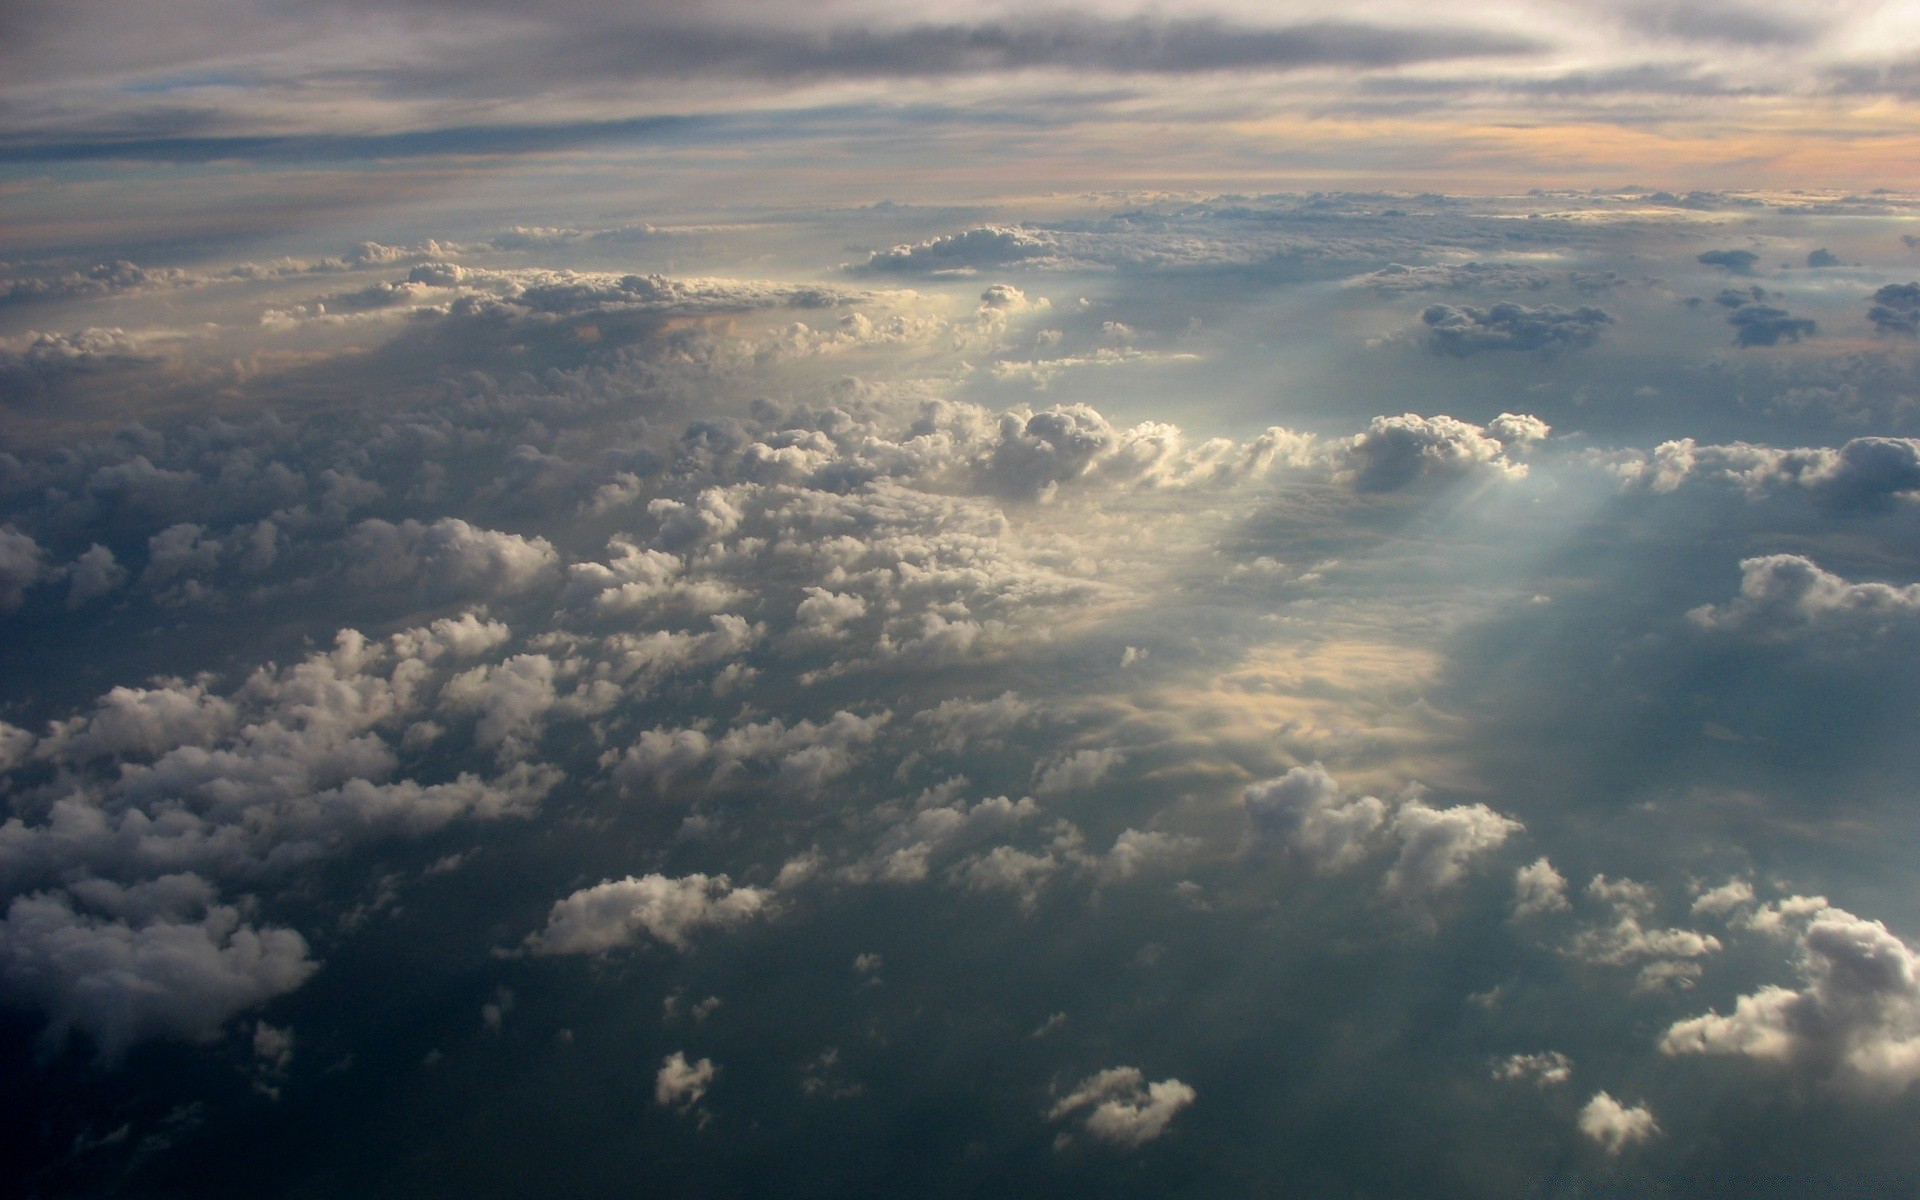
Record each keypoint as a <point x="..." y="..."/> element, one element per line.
<point x="22" y="564"/>
<point x="615" y="913"/>
<point x="449" y="554"/>
<point x="172" y="965"/>
<point x="1548" y="1069"/>
<point x="1437" y="845"/>
<point x="1076" y="772"/>
<point x="1855" y="1019"/>
<point x="1464" y="331"/>
<point x="1784" y="595"/>
<point x="1395" y="452"/>
<point x="1305" y="812"/>
<point x="1127" y="1111"/>
<point x="956" y="723"/>
<point x="93" y="575"/>
<point x="1758" y="324"/>
<point x="1865" y="472"/>
<point x="1739" y="262"/>
<point x="1538" y="889"/>
<point x="1614" y="1126"/>
<point x="1896" y="309"/>
<point x="1667" y="957"/>
<point x="681" y="1084"/>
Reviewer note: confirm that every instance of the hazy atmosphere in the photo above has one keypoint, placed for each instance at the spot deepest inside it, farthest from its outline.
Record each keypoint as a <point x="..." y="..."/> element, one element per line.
<point x="950" y="600"/>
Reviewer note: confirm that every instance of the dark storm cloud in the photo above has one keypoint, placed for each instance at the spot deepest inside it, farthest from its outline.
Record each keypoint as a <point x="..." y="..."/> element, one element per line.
<point x="1464" y="330"/>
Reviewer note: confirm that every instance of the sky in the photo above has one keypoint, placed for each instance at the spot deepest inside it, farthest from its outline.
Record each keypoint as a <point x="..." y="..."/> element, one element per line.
<point x="959" y="601"/>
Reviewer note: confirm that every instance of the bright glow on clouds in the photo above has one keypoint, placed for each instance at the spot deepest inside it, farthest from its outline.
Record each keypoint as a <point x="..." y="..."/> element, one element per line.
<point x="756" y="601"/>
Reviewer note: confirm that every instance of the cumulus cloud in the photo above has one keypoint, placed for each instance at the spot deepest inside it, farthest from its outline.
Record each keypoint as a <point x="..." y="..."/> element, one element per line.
<point x="1437" y="845"/>
<point x="1739" y="262"/>
<point x="1127" y="1111"/>
<point x="617" y="912"/>
<point x="169" y="964"/>
<point x="681" y="1084"/>
<point x="1784" y="595"/>
<point x="1864" y="472"/>
<point x="1613" y="1126"/>
<point x="22" y="564"/>
<point x="93" y="575"/>
<point x="1537" y="889"/>
<point x="1855" y="1018"/>
<point x="1667" y="958"/>
<point x="1756" y="323"/>
<point x="1896" y="309"/>
<point x="1394" y="452"/>
<point x="449" y="554"/>
<point x="954" y="724"/>
<point x="1465" y="331"/>
<point x="1305" y="812"/>
<point x="1547" y="1069"/>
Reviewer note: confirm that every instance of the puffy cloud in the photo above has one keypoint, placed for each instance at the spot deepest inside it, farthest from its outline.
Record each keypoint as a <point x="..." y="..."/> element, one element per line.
<point x="1127" y="1111"/>
<point x="449" y="554"/>
<point x="1855" y="1019"/>
<point x="1896" y="309"/>
<point x="1783" y="595"/>
<point x="970" y="250"/>
<point x="681" y="1084"/>
<point x="21" y="566"/>
<point x="615" y="913"/>
<point x="954" y="724"/>
<point x="1397" y="451"/>
<point x="1437" y="845"/>
<point x="1666" y="956"/>
<point x="1864" y="472"/>
<point x="1465" y="331"/>
<point x="1614" y="1126"/>
<point x="1547" y="1069"/>
<point x="805" y="756"/>
<point x="39" y="359"/>
<point x="906" y="847"/>
<point x="172" y="967"/>
<point x="92" y="575"/>
<point x="1756" y="323"/>
<point x="1739" y="262"/>
<point x="1538" y="888"/>
<point x="1076" y="772"/>
<point x="1305" y="812"/>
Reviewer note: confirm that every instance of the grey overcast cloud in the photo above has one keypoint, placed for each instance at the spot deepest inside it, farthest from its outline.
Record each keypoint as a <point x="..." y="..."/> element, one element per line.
<point x="959" y="600"/>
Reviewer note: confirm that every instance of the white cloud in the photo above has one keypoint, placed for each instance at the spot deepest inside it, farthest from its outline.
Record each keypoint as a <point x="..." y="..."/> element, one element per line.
<point x="615" y="913"/>
<point x="1549" y="1068"/>
<point x="169" y="972"/>
<point x="1614" y="1126"/>
<point x="1855" y="1018"/>
<point x="1785" y="594"/>
<point x="1127" y="1111"/>
<point x="1395" y="452"/>
<point x="21" y="566"/>
<point x="1305" y="812"/>
<point x="1437" y="845"/>
<point x="681" y="1084"/>
<point x="1538" y="888"/>
<point x="1076" y="772"/>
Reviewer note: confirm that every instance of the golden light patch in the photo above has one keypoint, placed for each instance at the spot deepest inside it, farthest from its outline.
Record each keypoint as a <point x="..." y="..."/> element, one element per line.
<point x="1355" y="703"/>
